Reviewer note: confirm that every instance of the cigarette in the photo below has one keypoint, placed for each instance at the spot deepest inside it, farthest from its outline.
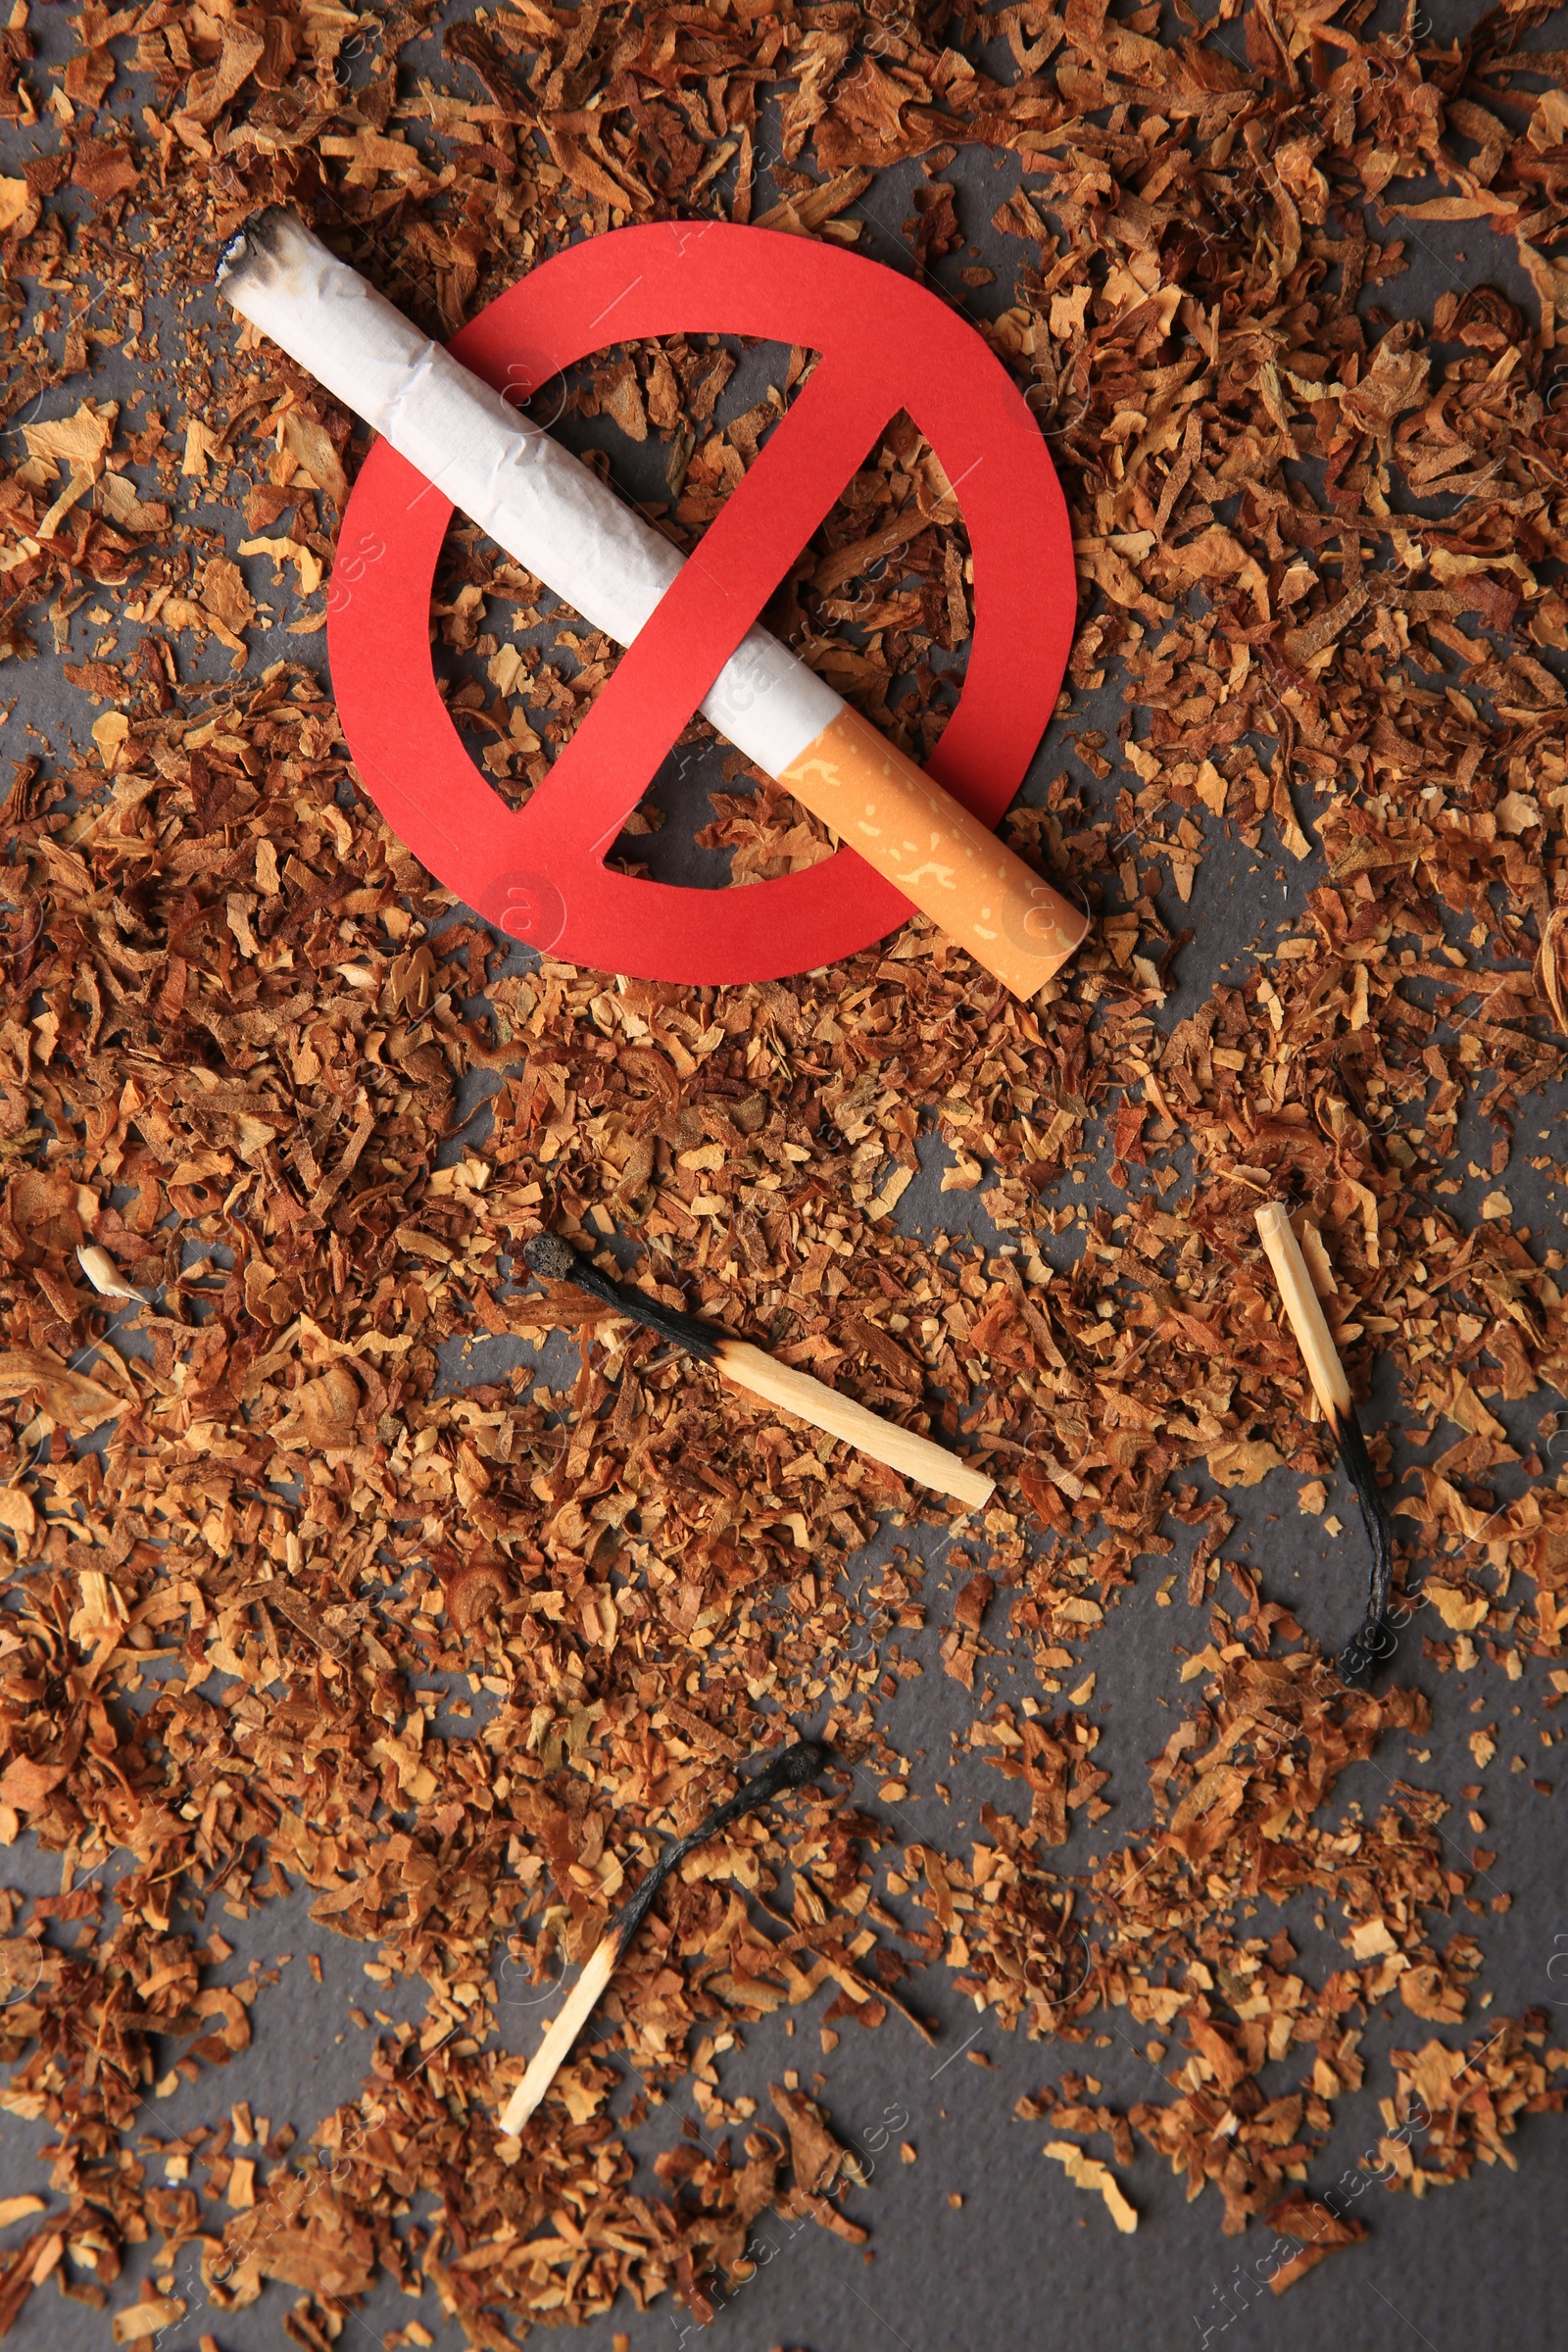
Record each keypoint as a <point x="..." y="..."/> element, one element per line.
<point x="737" y="1360"/>
<point x="1360" y="1655"/>
<point x="558" y="519"/>
<point x="791" y="1768"/>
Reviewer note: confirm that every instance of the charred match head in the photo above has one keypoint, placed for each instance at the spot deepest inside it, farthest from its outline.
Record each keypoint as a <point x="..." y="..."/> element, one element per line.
<point x="790" y="1768"/>
<point x="1373" y="1642"/>
<point x="551" y="1259"/>
<point x="806" y="1762"/>
<point x="556" y="1260"/>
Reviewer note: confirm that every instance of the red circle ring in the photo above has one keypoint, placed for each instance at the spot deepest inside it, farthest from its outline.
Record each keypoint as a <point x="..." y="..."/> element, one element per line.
<point x="885" y="344"/>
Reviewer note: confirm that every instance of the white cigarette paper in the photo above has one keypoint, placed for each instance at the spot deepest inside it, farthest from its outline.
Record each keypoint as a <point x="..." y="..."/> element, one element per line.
<point x="560" y="521"/>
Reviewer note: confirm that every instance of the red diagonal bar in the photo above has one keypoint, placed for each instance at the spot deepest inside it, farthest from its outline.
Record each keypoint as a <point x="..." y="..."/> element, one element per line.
<point x="660" y="680"/>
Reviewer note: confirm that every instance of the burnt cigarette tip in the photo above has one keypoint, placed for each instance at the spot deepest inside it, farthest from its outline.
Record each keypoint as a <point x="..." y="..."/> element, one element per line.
<point x="262" y="234"/>
<point x="546" y="1254"/>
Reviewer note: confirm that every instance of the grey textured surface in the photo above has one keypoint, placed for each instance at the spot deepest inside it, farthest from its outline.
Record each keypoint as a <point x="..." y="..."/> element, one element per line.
<point x="1026" y="2261"/>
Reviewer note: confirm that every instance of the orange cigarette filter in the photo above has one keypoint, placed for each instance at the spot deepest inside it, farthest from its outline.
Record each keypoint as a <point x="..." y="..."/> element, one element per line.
<point x="927" y="844"/>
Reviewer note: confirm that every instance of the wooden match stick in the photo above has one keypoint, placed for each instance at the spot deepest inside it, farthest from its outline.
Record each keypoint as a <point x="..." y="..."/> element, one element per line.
<point x="1359" y="1657"/>
<point x="791" y="1768"/>
<point x="797" y="1392"/>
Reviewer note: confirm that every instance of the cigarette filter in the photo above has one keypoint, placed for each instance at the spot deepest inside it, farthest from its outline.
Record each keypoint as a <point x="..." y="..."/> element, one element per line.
<point x="558" y="519"/>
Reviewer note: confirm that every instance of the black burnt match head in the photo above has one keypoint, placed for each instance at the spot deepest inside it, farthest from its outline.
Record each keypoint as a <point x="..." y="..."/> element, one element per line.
<point x="802" y="1763"/>
<point x="546" y="1254"/>
<point x="789" y="1768"/>
<point x="556" y="1260"/>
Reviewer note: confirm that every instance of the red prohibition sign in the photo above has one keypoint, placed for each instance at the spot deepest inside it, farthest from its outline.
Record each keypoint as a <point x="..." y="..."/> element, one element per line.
<point x="539" y="872"/>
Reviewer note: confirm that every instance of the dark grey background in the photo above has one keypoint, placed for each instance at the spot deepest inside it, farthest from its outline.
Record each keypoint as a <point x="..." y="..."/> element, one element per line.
<point x="1026" y="2261"/>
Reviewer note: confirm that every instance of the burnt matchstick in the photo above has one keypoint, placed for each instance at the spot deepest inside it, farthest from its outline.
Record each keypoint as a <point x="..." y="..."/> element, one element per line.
<point x="1358" y="1660"/>
<point x="797" y="1392"/>
<point x="791" y="1768"/>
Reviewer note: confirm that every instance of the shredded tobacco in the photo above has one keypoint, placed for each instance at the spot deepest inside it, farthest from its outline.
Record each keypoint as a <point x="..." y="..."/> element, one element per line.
<point x="1320" y="551"/>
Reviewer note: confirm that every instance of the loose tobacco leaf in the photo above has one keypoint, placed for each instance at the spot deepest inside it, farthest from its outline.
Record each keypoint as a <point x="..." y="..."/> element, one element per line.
<point x="1320" y="553"/>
